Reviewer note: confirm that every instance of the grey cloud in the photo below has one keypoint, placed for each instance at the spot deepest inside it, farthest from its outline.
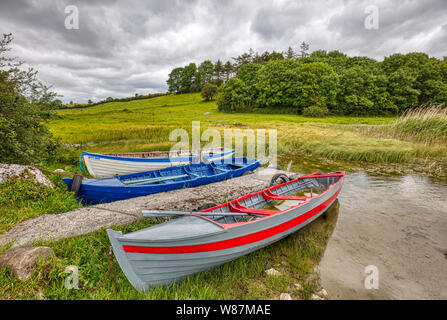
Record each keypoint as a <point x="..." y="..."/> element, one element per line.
<point x="123" y="47"/>
<point x="400" y="23"/>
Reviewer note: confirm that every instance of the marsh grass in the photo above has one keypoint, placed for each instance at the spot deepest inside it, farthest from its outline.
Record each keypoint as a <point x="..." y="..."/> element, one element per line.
<point x="424" y="124"/>
<point x="344" y="143"/>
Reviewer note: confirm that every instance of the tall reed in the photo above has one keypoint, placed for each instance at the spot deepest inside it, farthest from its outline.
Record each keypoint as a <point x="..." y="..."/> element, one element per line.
<point x="426" y="124"/>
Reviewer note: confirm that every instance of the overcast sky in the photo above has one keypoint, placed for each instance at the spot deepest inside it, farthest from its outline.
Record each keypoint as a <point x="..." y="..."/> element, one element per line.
<point x="127" y="47"/>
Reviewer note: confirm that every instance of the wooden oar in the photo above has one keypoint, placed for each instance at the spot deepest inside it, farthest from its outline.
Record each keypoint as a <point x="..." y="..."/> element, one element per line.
<point x="152" y="180"/>
<point x="161" y="213"/>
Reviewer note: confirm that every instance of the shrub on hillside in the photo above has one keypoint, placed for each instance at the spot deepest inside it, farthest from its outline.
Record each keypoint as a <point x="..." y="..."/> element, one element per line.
<point x="315" y="111"/>
<point x="209" y="91"/>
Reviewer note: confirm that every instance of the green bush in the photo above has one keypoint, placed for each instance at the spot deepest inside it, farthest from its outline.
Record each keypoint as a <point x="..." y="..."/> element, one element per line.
<point x="25" y="106"/>
<point x="24" y="135"/>
<point x="315" y="111"/>
<point x="209" y="91"/>
<point x="233" y="96"/>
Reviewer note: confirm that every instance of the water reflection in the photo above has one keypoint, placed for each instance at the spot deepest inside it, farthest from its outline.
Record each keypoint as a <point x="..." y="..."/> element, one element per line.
<point x="398" y="224"/>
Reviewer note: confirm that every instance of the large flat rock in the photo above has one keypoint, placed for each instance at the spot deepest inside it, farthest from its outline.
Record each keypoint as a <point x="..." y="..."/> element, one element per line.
<point x="88" y="219"/>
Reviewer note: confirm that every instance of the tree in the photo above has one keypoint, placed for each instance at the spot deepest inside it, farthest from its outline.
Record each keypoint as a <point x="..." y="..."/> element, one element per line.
<point x="277" y="84"/>
<point x="245" y="58"/>
<point x="205" y="73"/>
<point x="25" y="106"/>
<point x="248" y="73"/>
<point x="401" y="86"/>
<point x="290" y="54"/>
<point x="175" y="80"/>
<point x="363" y="91"/>
<point x="228" y="70"/>
<point x="304" y="48"/>
<point x="188" y="79"/>
<point x="267" y="56"/>
<point x="318" y="85"/>
<point x="209" y="91"/>
<point x="321" y="82"/>
<point x="292" y="84"/>
<point x="216" y="82"/>
<point x="218" y="70"/>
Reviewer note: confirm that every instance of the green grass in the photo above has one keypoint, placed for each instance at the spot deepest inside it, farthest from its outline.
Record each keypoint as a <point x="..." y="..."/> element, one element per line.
<point x="151" y="120"/>
<point x="243" y="278"/>
<point x="22" y="199"/>
<point x="426" y="126"/>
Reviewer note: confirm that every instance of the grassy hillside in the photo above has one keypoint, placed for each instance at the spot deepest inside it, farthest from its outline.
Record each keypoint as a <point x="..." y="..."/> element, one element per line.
<point x="145" y="125"/>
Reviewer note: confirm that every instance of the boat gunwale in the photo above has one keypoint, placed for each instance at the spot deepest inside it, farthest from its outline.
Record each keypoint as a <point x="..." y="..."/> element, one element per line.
<point x="176" y="159"/>
<point x="213" y="246"/>
<point x="192" y="176"/>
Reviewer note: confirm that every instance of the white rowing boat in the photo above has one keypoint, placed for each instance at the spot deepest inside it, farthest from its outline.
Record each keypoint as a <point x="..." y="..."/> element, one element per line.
<point x="101" y="165"/>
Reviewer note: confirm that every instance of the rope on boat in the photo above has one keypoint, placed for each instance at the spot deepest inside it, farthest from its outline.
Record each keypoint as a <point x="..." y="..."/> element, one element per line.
<point x="111" y="265"/>
<point x="118" y="211"/>
<point x="82" y="168"/>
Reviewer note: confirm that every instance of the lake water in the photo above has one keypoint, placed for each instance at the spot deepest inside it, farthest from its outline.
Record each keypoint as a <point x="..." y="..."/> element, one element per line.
<point x="397" y="225"/>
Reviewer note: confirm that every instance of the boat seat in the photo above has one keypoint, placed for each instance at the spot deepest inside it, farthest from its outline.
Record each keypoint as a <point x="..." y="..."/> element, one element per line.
<point x="213" y="165"/>
<point x="237" y="207"/>
<point x="188" y="171"/>
<point x="271" y="196"/>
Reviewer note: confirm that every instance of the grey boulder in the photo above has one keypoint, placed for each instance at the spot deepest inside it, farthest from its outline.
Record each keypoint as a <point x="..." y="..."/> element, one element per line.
<point x="22" y="260"/>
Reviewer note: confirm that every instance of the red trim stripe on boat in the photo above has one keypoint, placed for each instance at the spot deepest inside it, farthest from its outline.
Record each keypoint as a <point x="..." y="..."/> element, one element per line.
<point x="239" y="241"/>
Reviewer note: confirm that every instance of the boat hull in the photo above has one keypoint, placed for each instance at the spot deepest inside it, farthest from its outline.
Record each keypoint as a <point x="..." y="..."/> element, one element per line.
<point x="94" y="191"/>
<point x="152" y="259"/>
<point x="106" y="165"/>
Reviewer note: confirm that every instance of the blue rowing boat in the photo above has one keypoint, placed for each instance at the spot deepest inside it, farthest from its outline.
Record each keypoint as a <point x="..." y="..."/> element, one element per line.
<point x="133" y="185"/>
<point x="101" y="165"/>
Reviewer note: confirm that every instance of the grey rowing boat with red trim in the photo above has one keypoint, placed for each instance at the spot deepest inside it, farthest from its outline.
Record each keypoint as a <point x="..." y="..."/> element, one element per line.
<point x="194" y="242"/>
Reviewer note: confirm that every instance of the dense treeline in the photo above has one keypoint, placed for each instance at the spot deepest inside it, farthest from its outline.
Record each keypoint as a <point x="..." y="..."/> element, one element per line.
<point x="109" y="99"/>
<point x="323" y="83"/>
<point x="192" y="78"/>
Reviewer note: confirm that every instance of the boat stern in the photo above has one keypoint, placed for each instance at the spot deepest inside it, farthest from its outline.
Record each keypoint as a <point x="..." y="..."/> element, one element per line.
<point x="68" y="182"/>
